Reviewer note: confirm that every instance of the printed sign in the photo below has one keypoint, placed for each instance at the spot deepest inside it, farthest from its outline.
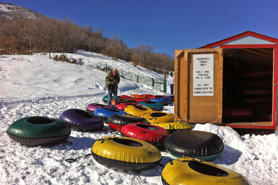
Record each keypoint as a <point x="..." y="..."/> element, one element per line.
<point x="203" y="75"/>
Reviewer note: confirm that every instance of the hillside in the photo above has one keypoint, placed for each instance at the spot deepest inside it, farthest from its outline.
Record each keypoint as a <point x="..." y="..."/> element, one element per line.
<point x="24" y="31"/>
<point x="9" y="12"/>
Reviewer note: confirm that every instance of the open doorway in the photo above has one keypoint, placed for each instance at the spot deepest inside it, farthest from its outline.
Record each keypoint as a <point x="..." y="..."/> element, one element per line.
<point x="247" y="84"/>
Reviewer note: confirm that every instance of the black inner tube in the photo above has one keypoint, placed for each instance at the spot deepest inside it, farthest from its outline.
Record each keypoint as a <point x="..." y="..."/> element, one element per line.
<point x="147" y="127"/>
<point x="158" y="114"/>
<point x="83" y="114"/>
<point x="127" y="142"/>
<point x="207" y="169"/>
<point x="39" y="120"/>
<point x="149" y="102"/>
<point x="159" y="97"/>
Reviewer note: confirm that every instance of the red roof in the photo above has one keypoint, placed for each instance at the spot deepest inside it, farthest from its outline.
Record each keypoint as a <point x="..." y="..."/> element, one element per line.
<point x="244" y="34"/>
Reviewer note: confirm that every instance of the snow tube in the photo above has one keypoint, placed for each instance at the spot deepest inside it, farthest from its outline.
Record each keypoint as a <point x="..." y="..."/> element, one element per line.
<point x="156" y="106"/>
<point x="148" y="96"/>
<point x="127" y="101"/>
<point x="136" y="110"/>
<point x="93" y="106"/>
<point x="173" y="126"/>
<point x="121" y="106"/>
<point x="152" y="134"/>
<point x="105" y="113"/>
<point x="81" y="120"/>
<point x="105" y="98"/>
<point x="196" y="172"/>
<point x="159" y="117"/>
<point x="196" y="144"/>
<point x="37" y="130"/>
<point x="117" y="121"/>
<point x="141" y="99"/>
<point x="171" y="98"/>
<point x="125" y="153"/>
<point x="140" y="96"/>
<point x="125" y="96"/>
<point x="162" y="100"/>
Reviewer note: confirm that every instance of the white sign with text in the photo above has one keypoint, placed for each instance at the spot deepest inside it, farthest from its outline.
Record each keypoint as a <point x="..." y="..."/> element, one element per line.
<point x="203" y="75"/>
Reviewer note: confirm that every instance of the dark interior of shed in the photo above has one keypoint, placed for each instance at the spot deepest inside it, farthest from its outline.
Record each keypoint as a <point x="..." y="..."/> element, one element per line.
<point x="247" y="85"/>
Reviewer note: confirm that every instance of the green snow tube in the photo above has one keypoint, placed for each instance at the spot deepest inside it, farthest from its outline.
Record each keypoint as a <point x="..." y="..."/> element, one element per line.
<point x="37" y="130"/>
<point x="105" y="98"/>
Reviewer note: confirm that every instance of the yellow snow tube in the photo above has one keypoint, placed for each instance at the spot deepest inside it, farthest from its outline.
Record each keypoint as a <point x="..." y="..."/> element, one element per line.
<point x="189" y="171"/>
<point x="125" y="153"/>
<point x="159" y="117"/>
<point x="137" y="110"/>
<point x="174" y="126"/>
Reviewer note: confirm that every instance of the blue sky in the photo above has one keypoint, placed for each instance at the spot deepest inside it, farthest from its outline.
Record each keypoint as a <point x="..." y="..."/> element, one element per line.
<point x="165" y="24"/>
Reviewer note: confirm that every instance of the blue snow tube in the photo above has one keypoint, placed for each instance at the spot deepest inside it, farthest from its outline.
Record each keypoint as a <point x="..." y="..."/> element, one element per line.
<point x="105" y="113"/>
<point x="164" y="101"/>
<point x="156" y="106"/>
<point x="81" y="120"/>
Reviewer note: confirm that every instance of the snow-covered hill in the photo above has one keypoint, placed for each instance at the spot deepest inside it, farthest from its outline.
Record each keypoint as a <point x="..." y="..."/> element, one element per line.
<point x="9" y="11"/>
<point x="39" y="86"/>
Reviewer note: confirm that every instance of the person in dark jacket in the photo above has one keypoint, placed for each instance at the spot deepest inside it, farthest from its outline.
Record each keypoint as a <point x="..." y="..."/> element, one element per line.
<point x="112" y="80"/>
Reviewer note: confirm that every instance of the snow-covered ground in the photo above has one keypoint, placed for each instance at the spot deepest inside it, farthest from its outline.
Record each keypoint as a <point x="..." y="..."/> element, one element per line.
<point x="38" y="86"/>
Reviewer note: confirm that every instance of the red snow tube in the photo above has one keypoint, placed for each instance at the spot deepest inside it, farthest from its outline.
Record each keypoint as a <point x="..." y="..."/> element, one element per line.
<point x="125" y="96"/>
<point x="122" y="106"/>
<point x="128" y="101"/>
<point x="141" y="99"/>
<point x="148" y="96"/>
<point x="150" y="133"/>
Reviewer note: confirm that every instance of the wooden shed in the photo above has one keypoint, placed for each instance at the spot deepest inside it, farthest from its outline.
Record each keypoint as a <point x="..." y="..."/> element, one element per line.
<point x="231" y="82"/>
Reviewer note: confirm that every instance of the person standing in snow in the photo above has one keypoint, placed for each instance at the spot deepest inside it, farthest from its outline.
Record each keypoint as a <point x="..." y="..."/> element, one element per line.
<point x="112" y="79"/>
<point x="171" y="81"/>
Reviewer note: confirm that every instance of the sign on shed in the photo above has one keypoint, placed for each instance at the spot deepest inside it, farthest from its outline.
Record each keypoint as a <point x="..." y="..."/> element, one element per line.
<point x="203" y="75"/>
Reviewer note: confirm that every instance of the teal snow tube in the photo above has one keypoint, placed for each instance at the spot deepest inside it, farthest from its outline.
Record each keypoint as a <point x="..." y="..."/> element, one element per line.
<point x="156" y="106"/>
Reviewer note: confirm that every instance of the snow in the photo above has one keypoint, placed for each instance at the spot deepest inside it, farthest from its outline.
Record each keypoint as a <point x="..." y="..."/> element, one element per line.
<point x="4" y="8"/>
<point x="39" y="86"/>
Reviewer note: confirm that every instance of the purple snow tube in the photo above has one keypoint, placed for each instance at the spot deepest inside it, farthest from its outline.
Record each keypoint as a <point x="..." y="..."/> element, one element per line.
<point x="81" y="120"/>
<point x="93" y="106"/>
